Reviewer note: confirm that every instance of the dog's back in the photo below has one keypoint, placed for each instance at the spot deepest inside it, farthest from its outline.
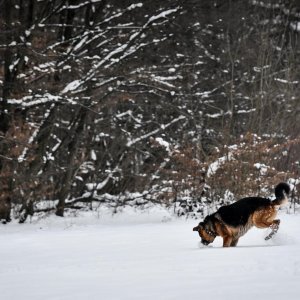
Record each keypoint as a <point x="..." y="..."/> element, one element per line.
<point x="238" y="213"/>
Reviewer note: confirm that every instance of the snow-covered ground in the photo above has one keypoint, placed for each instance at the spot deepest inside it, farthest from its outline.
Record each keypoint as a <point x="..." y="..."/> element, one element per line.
<point x="144" y="256"/>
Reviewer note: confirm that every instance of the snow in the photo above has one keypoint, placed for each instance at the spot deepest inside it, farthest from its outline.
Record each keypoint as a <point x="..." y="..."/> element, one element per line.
<point x="150" y="255"/>
<point x="162" y="127"/>
<point x="163" y="14"/>
<point x="295" y="26"/>
<point x="214" y="166"/>
<point x="286" y="81"/>
<point x="243" y="111"/>
<point x="33" y="136"/>
<point x="163" y="143"/>
<point x="133" y="6"/>
<point x="29" y="101"/>
<point x="263" y="169"/>
<point x="81" y="43"/>
<point x="71" y="86"/>
<point x="93" y="155"/>
<point x="218" y="115"/>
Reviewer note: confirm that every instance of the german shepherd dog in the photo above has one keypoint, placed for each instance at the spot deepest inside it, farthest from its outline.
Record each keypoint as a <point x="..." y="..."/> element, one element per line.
<point x="234" y="220"/>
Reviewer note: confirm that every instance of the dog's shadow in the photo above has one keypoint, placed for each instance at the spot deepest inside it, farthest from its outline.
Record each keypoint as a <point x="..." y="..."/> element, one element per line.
<point x="219" y="246"/>
<point x="259" y="246"/>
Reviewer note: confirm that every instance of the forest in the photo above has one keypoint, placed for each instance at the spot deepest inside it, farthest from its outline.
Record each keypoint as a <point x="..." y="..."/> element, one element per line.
<point x="189" y="104"/>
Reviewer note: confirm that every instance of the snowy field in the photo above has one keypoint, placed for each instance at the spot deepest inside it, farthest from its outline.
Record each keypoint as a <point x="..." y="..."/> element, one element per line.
<point x="144" y="256"/>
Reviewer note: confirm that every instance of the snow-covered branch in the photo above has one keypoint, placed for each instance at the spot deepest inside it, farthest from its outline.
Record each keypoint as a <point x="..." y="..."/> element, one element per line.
<point x="153" y="132"/>
<point x="120" y="52"/>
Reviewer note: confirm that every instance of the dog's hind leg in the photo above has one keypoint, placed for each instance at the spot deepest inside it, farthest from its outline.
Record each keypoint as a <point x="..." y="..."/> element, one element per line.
<point x="274" y="226"/>
<point x="265" y="218"/>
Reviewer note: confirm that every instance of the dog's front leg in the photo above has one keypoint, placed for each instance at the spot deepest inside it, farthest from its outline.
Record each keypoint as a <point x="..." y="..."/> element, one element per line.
<point x="227" y="240"/>
<point x="234" y="242"/>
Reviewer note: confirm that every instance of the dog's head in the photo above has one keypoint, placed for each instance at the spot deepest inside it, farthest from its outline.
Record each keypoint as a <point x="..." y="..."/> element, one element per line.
<point x="206" y="231"/>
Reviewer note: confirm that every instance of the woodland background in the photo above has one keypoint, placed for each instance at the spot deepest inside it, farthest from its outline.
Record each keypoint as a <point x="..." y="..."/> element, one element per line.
<point x="190" y="104"/>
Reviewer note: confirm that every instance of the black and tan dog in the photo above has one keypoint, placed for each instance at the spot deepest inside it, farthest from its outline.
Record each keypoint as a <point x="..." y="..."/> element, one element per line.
<point x="234" y="220"/>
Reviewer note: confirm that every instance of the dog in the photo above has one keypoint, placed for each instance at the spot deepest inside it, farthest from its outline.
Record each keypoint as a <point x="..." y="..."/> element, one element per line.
<point x="234" y="220"/>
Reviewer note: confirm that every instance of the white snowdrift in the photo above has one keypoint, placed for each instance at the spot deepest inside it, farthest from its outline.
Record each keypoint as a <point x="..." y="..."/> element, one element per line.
<point x="144" y="256"/>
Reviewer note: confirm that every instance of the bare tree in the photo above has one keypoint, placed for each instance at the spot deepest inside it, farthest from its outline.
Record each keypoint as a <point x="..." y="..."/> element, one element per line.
<point x="104" y="99"/>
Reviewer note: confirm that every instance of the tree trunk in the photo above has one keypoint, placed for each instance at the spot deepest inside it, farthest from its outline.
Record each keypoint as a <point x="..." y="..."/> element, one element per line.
<point x="69" y="21"/>
<point x="7" y="82"/>
<point x="71" y="166"/>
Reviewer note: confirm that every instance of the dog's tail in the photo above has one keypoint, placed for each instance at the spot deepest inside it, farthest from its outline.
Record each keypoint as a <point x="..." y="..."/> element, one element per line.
<point x="281" y="191"/>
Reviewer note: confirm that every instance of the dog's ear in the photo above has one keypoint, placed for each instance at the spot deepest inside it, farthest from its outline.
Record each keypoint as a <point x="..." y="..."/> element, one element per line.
<point x="198" y="227"/>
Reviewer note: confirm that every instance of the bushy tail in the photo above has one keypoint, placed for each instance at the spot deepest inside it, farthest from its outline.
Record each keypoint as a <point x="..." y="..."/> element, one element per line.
<point x="281" y="191"/>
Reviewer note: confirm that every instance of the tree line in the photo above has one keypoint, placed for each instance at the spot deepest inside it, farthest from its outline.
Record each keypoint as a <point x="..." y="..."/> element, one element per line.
<point x="108" y="101"/>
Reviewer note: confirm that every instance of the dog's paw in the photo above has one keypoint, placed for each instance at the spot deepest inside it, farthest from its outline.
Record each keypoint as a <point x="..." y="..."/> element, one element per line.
<point x="270" y="235"/>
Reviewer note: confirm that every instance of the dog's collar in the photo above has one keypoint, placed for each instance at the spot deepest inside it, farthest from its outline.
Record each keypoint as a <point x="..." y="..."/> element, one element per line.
<point x="211" y="233"/>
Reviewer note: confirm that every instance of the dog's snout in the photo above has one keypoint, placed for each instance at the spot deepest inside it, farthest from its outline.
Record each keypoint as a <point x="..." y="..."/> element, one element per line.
<point x="204" y="242"/>
<point x="195" y="228"/>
